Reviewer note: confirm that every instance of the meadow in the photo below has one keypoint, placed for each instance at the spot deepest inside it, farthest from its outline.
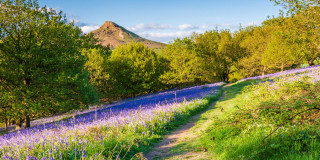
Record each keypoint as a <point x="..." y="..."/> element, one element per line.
<point x="274" y="116"/>
<point x="121" y="131"/>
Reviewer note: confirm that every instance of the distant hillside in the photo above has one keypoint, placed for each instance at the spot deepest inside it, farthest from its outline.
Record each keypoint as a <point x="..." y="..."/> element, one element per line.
<point x="113" y="34"/>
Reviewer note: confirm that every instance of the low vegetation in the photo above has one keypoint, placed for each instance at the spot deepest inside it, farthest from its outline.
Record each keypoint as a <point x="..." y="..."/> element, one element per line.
<point x="276" y="118"/>
<point x="113" y="134"/>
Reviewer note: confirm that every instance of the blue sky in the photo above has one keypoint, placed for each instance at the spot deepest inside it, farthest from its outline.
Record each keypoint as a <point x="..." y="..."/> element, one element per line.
<point x="165" y="20"/>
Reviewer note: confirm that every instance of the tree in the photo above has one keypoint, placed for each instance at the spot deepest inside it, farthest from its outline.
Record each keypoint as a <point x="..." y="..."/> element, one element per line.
<point x="280" y="53"/>
<point x="134" y="69"/>
<point x="41" y="66"/>
<point x="219" y="50"/>
<point x="185" y="67"/>
<point x="306" y="29"/>
<point x="305" y="26"/>
<point x="293" y="7"/>
<point x="96" y="65"/>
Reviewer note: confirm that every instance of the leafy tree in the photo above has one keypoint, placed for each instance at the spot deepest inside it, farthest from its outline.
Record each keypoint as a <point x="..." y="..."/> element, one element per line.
<point x="236" y="71"/>
<point x="306" y="30"/>
<point x="134" y="69"/>
<point x="280" y="53"/>
<point x="96" y="65"/>
<point x="41" y="67"/>
<point x="255" y="43"/>
<point x="271" y="47"/>
<point x="293" y="7"/>
<point x="305" y="25"/>
<point x="220" y="51"/>
<point x="185" y="67"/>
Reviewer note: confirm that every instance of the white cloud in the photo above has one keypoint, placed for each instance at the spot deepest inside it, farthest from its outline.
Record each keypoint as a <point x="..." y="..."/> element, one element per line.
<point x="251" y="24"/>
<point x="165" y="33"/>
<point x="204" y="26"/>
<point x="187" y="27"/>
<point x="75" y="21"/>
<point x="224" y="25"/>
<point x="165" y="37"/>
<point x="169" y="35"/>
<point x="141" y="27"/>
<point x="53" y="9"/>
<point x="87" y="29"/>
<point x="178" y="34"/>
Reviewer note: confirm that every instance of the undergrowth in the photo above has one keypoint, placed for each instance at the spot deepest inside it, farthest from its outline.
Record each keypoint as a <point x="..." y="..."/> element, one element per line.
<point x="268" y="120"/>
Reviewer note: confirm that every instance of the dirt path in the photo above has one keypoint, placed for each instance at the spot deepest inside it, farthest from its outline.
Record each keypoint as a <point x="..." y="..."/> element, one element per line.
<point x="174" y="145"/>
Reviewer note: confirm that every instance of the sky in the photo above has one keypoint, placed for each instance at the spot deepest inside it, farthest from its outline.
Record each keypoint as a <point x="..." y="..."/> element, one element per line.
<point x="165" y="20"/>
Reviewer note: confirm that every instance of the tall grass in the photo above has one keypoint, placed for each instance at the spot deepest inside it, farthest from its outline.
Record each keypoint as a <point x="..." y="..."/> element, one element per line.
<point x="275" y="119"/>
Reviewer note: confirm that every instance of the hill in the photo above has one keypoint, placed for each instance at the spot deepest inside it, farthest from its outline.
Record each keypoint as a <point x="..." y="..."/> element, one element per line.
<point x="113" y="34"/>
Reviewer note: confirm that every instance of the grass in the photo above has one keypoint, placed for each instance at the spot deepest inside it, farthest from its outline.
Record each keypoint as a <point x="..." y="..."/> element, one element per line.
<point x="175" y="124"/>
<point x="254" y="122"/>
<point x="264" y="120"/>
<point x="193" y="144"/>
<point x="125" y="136"/>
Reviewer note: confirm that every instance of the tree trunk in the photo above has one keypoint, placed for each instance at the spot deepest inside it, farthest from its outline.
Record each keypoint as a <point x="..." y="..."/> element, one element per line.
<point x="310" y="62"/>
<point x="282" y="67"/>
<point x="27" y="118"/>
<point x="27" y="121"/>
<point x="18" y="124"/>
<point x="264" y="70"/>
<point x="6" y="124"/>
<point x="226" y="77"/>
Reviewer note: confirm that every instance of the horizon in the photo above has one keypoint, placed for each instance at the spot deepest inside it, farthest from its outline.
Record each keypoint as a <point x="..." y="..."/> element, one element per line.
<point x="166" y="20"/>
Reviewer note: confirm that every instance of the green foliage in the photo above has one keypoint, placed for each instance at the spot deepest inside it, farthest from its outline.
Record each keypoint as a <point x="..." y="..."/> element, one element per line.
<point x="219" y="50"/>
<point x="304" y="26"/>
<point x="185" y="67"/>
<point x="41" y="66"/>
<point x="272" y="47"/>
<point x="207" y="57"/>
<point x="96" y="65"/>
<point x="305" y="31"/>
<point x="134" y="69"/>
<point x="280" y="53"/>
<point x="293" y="7"/>
<point x="268" y="121"/>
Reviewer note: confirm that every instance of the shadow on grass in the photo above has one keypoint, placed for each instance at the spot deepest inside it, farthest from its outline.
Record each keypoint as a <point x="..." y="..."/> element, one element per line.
<point x="225" y="140"/>
<point x="181" y="128"/>
<point x="232" y="90"/>
<point x="192" y="145"/>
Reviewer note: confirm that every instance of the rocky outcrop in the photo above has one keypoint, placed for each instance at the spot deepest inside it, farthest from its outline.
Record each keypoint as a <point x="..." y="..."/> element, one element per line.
<point x="112" y="34"/>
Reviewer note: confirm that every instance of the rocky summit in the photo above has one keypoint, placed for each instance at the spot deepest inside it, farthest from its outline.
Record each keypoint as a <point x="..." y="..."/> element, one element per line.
<point x="113" y="34"/>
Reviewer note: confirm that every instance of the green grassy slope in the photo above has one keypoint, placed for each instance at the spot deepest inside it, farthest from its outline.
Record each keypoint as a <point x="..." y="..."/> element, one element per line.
<point x="277" y="120"/>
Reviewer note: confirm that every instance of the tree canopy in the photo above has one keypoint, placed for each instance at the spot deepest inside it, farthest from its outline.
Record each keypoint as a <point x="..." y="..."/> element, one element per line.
<point x="184" y="65"/>
<point x="41" y="66"/>
<point x="134" y="69"/>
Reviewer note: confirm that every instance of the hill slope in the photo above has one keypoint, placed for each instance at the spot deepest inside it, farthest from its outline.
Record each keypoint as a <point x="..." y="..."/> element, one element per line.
<point x="113" y="34"/>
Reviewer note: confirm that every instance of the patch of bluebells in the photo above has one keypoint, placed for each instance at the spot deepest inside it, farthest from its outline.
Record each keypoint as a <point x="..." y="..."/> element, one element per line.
<point x="312" y="75"/>
<point x="146" y="114"/>
<point x="274" y="116"/>
<point x="284" y="73"/>
<point x="164" y="97"/>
